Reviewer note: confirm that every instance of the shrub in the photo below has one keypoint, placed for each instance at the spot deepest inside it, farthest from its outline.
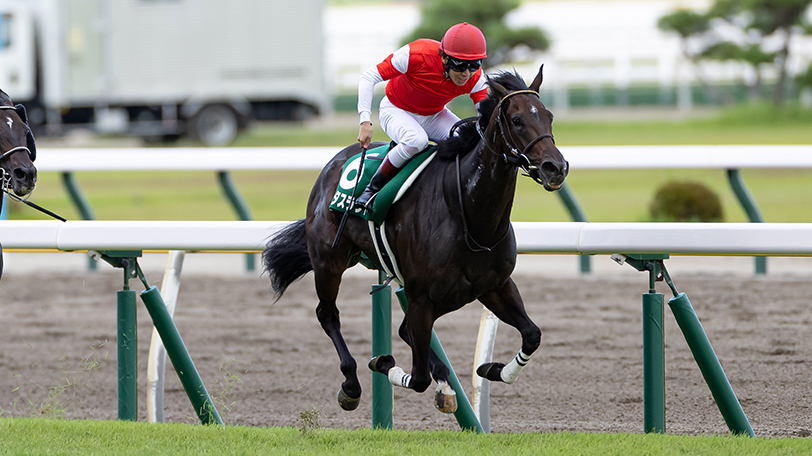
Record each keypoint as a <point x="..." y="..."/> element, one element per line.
<point x="686" y="202"/>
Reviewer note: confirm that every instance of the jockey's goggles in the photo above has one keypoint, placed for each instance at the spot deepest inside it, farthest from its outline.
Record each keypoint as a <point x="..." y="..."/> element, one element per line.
<point x="461" y="65"/>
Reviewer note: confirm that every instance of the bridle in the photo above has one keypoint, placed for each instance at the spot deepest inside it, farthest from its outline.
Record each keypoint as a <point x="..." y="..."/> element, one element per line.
<point x="14" y="149"/>
<point x="5" y="176"/>
<point x="516" y="158"/>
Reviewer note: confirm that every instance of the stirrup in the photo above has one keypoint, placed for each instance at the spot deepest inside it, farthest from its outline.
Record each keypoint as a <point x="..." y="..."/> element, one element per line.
<point x="367" y="206"/>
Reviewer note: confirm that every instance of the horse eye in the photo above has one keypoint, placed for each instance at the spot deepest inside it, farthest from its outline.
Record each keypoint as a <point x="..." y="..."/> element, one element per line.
<point x="517" y="121"/>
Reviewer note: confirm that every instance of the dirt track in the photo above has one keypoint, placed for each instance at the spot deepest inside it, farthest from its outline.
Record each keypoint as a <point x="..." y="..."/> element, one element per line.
<point x="265" y="364"/>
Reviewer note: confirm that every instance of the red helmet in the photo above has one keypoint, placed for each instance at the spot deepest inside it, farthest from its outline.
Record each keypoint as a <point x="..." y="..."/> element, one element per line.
<point x="465" y="42"/>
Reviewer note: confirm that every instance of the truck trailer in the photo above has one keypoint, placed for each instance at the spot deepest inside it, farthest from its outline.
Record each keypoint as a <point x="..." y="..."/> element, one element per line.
<point x="161" y="69"/>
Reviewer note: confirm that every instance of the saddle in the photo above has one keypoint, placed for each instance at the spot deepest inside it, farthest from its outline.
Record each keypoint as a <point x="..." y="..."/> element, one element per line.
<point x="344" y="198"/>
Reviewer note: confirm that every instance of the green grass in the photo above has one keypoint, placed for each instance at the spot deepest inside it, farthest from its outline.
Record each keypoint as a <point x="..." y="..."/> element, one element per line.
<point x="40" y="436"/>
<point x="606" y="196"/>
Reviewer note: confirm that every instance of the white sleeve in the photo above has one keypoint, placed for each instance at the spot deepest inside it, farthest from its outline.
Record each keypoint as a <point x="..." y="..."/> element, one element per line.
<point x="400" y="59"/>
<point x="366" y="88"/>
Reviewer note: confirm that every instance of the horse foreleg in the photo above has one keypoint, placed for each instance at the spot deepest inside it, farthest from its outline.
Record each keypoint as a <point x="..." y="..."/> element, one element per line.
<point x="506" y="303"/>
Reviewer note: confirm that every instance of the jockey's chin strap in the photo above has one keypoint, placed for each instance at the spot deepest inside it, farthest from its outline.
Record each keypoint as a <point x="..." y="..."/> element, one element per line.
<point x="514" y="157"/>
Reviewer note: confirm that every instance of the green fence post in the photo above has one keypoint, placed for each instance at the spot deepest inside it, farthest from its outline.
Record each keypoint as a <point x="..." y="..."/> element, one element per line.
<point x="127" y="359"/>
<point x="179" y="355"/>
<point x="126" y="335"/>
<point x="382" y="399"/>
<point x="653" y="340"/>
<point x="653" y="359"/>
<point x="734" y="176"/>
<point x="709" y="365"/>
<point x="578" y="215"/>
<point x="465" y="412"/>
<point x="239" y="205"/>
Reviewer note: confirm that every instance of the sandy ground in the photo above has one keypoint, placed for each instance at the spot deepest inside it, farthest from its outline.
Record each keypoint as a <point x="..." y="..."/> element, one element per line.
<point x="265" y="364"/>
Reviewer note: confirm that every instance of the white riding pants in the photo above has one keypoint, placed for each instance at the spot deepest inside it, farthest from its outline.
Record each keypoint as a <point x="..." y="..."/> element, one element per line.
<point x="412" y="131"/>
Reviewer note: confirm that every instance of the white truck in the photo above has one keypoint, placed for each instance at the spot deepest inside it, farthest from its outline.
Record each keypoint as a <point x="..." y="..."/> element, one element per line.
<point x="161" y="69"/>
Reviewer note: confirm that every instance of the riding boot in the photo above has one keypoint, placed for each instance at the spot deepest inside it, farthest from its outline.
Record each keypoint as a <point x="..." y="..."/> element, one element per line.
<point x="379" y="179"/>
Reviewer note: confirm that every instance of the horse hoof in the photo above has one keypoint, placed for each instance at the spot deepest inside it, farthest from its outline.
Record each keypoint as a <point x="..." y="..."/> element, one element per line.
<point x="381" y="364"/>
<point x="491" y="371"/>
<point x="347" y="403"/>
<point x="445" y="399"/>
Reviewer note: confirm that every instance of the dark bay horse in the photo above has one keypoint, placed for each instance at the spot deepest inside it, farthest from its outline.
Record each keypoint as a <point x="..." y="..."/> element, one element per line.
<point x="450" y="234"/>
<point x="17" y="153"/>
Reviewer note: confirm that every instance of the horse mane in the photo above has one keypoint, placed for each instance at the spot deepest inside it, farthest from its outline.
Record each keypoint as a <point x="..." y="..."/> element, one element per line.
<point x="467" y="134"/>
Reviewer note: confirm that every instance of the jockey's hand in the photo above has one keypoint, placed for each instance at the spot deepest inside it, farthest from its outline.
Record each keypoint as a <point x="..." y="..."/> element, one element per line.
<point x="365" y="134"/>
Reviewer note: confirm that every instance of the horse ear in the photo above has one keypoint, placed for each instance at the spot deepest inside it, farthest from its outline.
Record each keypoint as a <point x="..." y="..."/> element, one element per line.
<point x="21" y="112"/>
<point x="497" y="89"/>
<point x="536" y="84"/>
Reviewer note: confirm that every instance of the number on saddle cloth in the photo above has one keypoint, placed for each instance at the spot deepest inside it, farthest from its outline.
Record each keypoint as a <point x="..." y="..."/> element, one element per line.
<point x="343" y="197"/>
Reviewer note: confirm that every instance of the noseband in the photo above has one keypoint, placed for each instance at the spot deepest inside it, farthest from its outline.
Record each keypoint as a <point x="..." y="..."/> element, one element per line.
<point x="516" y="158"/>
<point x="14" y="149"/>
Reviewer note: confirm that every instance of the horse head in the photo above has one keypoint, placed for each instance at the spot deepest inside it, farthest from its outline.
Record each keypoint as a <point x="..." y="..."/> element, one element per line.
<point x="17" y="148"/>
<point x="525" y="126"/>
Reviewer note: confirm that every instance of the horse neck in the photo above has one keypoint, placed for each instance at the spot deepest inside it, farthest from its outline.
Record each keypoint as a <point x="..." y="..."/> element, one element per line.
<point x="488" y="186"/>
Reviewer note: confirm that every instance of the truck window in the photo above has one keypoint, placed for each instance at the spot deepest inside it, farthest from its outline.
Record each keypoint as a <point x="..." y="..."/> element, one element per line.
<point x="5" y="30"/>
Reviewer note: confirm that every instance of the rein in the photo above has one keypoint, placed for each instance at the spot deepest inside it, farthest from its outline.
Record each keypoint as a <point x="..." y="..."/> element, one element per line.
<point x="468" y="238"/>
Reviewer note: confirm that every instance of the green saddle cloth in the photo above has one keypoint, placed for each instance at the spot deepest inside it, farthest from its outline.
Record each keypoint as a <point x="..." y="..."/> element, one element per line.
<point x="344" y="197"/>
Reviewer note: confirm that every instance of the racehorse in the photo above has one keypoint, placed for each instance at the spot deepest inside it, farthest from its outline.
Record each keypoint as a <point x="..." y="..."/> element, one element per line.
<point x="450" y="234"/>
<point x="17" y="171"/>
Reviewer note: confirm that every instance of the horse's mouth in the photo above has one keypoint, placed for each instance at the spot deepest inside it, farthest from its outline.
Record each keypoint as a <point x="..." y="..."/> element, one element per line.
<point x="23" y="189"/>
<point x="551" y="187"/>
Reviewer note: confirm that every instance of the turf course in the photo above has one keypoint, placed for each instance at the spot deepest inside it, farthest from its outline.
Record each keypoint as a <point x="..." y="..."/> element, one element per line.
<point x="41" y="436"/>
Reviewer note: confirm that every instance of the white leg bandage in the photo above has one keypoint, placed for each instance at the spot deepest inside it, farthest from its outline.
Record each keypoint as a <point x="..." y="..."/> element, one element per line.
<point x="510" y="373"/>
<point x="399" y="378"/>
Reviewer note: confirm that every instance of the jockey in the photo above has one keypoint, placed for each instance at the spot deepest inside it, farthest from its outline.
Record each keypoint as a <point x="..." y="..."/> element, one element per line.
<point x="423" y="76"/>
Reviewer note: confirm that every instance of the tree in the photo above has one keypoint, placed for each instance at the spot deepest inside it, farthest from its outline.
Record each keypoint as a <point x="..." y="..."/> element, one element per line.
<point x="757" y="19"/>
<point x="777" y="16"/>
<point x="750" y="53"/>
<point x="689" y="24"/>
<point x="438" y="15"/>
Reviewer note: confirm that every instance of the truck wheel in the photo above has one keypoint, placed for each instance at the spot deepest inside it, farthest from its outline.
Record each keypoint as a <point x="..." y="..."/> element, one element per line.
<point x="215" y="125"/>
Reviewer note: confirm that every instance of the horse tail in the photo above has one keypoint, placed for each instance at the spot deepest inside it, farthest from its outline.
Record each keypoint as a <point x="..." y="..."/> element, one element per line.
<point x="285" y="257"/>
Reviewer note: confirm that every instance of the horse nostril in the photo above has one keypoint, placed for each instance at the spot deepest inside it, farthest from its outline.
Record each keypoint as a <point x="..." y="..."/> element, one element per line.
<point x="22" y="174"/>
<point x="549" y="168"/>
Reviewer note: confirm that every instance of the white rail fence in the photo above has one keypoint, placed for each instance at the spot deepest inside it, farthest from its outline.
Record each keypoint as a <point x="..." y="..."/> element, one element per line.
<point x="287" y="158"/>
<point x="773" y="239"/>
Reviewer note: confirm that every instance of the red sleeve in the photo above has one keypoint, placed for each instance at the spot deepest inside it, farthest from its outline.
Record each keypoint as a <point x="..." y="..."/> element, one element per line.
<point x="387" y="70"/>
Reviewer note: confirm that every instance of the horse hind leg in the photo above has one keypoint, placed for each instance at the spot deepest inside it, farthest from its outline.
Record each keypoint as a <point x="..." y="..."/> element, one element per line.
<point x="507" y="305"/>
<point x="445" y="398"/>
<point x="349" y="395"/>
